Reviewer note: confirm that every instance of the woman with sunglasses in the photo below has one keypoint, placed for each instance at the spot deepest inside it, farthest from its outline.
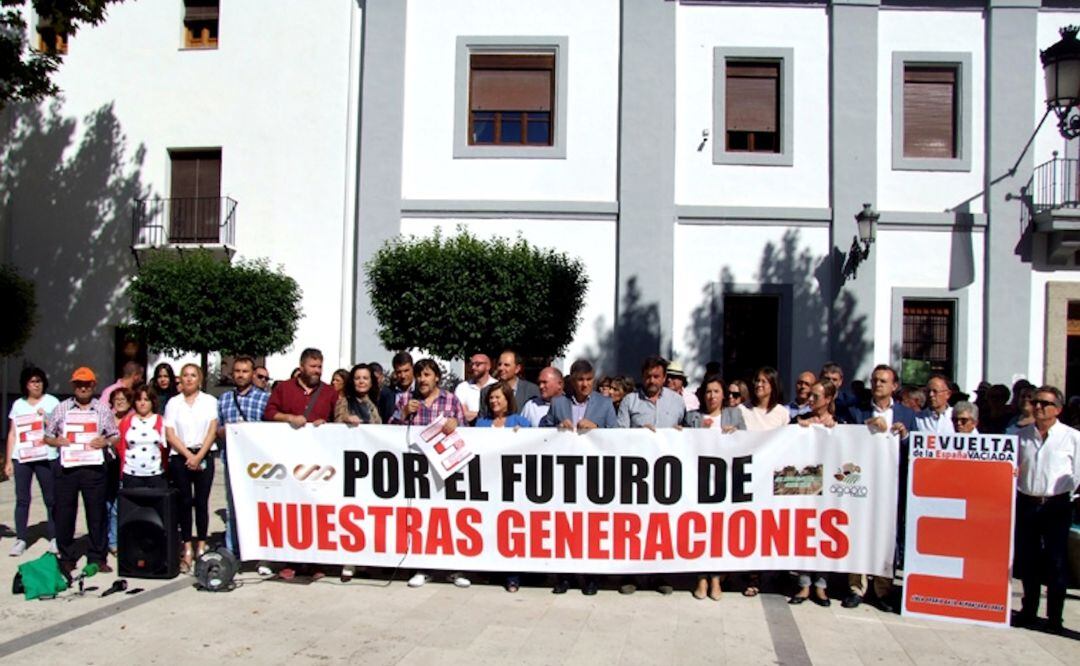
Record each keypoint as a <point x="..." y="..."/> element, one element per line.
<point x="737" y="393"/>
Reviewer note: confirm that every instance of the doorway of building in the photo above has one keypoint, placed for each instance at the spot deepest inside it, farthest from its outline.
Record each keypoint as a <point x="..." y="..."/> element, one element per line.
<point x="751" y="334"/>
<point x="1072" y="351"/>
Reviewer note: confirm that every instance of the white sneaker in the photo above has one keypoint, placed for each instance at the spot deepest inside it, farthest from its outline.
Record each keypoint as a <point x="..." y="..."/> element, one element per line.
<point x="347" y="572"/>
<point x="419" y="579"/>
<point x="18" y="548"/>
<point x="264" y="569"/>
<point x="53" y="548"/>
<point x="460" y="580"/>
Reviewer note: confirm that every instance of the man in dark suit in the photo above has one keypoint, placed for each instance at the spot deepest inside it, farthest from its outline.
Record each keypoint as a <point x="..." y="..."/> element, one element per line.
<point x="509" y="370"/>
<point x="584" y="409"/>
<point x="884" y="414"/>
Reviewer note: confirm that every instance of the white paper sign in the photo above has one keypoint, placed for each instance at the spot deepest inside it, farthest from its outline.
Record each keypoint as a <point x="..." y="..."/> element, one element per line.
<point x="80" y="428"/>
<point x="29" y="438"/>
<point x="446" y="453"/>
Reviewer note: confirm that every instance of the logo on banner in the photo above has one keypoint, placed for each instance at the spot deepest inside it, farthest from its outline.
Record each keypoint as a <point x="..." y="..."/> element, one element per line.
<point x="314" y="472"/>
<point x="267" y="471"/>
<point x="793" y="481"/>
<point x="847" y="478"/>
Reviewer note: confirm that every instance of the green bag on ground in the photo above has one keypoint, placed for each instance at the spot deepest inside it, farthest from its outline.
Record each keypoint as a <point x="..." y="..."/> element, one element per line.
<point x="42" y="577"/>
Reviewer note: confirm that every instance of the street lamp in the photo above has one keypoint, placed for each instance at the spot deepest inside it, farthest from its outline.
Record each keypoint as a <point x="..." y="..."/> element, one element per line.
<point x="1061" y="67"/>
<point x="866" y="221"/>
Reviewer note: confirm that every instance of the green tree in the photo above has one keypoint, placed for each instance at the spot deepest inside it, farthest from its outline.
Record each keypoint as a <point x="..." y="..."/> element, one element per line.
<point x="195" y="302"/>
<point x="19" y="305"/>
<point x="25" y="72"/>
<point x="455" y="296"/>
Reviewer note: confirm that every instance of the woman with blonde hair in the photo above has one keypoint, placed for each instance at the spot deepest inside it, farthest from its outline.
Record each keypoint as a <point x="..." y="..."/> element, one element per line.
<point x="190" y="429"/>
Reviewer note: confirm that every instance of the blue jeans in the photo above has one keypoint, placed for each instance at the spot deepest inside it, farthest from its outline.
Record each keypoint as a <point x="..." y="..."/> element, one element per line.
<point x="110" y="507"/>
<point x="24" y="476"/>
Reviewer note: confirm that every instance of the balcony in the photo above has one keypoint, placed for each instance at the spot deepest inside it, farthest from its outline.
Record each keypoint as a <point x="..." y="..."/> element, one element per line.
<point x="184" y="223"/>
<point x="1054" y="193"/>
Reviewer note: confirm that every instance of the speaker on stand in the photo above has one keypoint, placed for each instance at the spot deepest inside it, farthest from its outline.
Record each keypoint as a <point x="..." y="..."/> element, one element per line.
<point x="148" y="537"/>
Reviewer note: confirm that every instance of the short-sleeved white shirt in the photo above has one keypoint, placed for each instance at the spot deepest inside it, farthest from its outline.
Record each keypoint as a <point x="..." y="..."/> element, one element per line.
<point x="191" y="422"/>
<point x="44" y="407"/>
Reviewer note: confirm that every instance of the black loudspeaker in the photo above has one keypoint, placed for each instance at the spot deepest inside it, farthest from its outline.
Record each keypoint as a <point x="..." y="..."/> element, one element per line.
<point x="148" y="538"/>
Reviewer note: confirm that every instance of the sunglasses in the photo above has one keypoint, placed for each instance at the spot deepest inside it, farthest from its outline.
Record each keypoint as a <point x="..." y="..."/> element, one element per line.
<point x="262" y="376"/>
<point x="1043" y="403"/>
<point x="734" y="394"/>
<point x="962" y="419"/>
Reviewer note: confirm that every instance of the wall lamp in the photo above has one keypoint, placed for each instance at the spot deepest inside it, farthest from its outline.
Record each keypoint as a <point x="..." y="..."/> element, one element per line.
<point x="866" y="221"/>
<point x="1061" y="67"/>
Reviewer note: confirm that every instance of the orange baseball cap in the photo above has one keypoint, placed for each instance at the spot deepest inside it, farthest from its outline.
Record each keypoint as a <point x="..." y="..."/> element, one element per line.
<point x="83" y="374"/>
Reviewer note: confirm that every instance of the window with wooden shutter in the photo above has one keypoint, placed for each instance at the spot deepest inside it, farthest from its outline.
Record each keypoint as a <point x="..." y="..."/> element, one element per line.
<point x="201" y="24"/>
<point x="195" y="197"/>
<point x="929" y="334"/>
<point x="511" y="99"/>
<point x="752" y="106"/>
<point x="930" y="111"/>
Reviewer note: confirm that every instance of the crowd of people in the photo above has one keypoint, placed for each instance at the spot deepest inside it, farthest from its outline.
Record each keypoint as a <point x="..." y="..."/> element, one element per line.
<point x="164" y="433"/>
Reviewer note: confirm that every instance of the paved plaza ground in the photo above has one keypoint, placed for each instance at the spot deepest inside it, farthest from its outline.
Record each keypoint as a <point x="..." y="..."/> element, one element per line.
<point x="370" y="621"/>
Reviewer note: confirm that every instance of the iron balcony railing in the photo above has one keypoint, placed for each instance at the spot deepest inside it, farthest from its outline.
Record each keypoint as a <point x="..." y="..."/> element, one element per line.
<point x="1054" y="185"/>
<point x="184" y="221"/>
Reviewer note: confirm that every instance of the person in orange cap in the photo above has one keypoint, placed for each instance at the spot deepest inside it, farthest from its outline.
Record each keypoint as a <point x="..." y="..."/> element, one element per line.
<point x="82" y="427"/>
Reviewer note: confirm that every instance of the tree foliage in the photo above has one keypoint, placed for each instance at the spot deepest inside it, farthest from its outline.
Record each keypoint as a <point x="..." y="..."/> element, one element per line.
<point x="19" y="305"/>
<point x="456" y="296"/>
<point x="195" y="302"/>
<point x="25" y="72"/>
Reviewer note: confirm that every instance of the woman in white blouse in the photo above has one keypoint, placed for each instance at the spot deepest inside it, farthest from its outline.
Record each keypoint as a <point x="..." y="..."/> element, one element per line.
<point x="768" y="411"/>
<point x="190" y="428"/>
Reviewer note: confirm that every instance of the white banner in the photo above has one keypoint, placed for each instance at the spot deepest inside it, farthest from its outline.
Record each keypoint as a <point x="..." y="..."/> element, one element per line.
<point x="610" y="501"/>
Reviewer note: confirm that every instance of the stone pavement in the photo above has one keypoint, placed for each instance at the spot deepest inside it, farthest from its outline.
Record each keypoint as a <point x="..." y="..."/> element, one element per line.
<point x="368" y="621"/>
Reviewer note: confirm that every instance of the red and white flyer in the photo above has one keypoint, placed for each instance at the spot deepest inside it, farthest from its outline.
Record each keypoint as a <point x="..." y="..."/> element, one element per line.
<point x="446" y="453"/>
<point x="80" y="428"/>
<point x="29" y="438"/>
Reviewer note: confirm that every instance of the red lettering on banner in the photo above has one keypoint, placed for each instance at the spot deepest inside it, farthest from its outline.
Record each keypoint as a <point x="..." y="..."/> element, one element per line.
<point x="510" y="543"/>
<point x="269" y="525"/>
<point x="324" y="516"/>
<point x="470" y="544"/>
<point x="439" y="541"/>
<point x="981" y="539"/>
<point x="688" y="548"/>
<point x="597" y="533"/>
<point x="299" y="530"/>
<point x="658" y="538"/>
<point x="775" y="534"/>
<point x="624" y="533"/>
<point x="538" y="534"/>
<point x="353" y="539"/>
<point x="831" y="522"/>
<point x="380" y="514"/>
<point x="804" y="532"/>
<point x="742" y="537"/>
<point x="568" y="540"/>
<point x="716" y="543"/>
<point x="408" y="522"/>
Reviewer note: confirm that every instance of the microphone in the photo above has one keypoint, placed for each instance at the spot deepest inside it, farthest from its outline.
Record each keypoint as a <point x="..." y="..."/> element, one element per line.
<point x="87" y="571"/>
<point x="118" y="586"/>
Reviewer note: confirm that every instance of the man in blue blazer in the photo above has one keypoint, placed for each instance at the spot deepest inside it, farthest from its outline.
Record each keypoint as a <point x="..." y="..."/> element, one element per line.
<point x="884" y="414"/>
<point x="583" y="409"/>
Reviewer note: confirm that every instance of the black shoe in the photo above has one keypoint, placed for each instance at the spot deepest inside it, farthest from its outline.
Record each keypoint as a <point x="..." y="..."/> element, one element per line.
<point x="589" y="588"/>
<point x="795" y="601"/>
<point x="824" y="603"/>
<point x="561" y="586"/>
<point x="851" y="601"/>
<point x="627" y="588"/>
<point x="1023" y="619"/>
<point x="665" y="589"/>
<point x="883" y="605"/>
<point x="1055" y="627"/>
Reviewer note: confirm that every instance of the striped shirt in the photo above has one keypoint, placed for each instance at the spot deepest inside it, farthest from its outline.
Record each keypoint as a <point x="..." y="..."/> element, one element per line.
<point x="106" y="422"/>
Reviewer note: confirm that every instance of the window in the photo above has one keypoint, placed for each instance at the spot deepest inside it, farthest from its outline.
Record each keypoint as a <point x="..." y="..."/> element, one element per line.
<point x="510" y="97"/>
<point x="929" y="339"/>
<point x="201" y="24"/>
<point x="195" y="196"/>
<point x="931" y="111"/>
<point x="48" y="39"/>
<point x="752" y="106"/>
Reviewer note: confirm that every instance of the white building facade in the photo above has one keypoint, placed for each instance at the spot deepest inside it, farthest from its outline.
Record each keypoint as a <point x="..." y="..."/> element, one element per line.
<point x="705" y="160"/>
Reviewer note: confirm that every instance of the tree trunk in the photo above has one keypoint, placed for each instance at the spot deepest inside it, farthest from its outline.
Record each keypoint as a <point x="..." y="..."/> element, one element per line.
<point x="205" y="375"/>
